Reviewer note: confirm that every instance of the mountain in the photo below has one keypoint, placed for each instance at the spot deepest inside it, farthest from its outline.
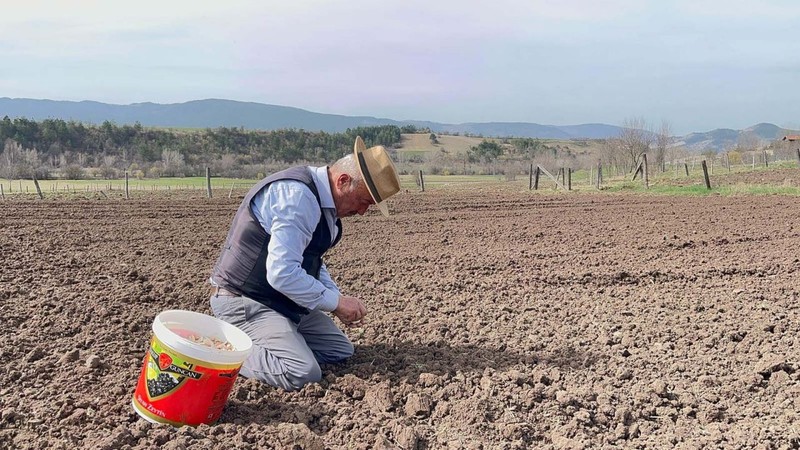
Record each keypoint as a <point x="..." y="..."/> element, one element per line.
<point x="213" y="113"/>
<point x="725" y="138"/>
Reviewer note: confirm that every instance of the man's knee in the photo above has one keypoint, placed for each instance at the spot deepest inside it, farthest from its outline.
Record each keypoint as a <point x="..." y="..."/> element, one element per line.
<point x="291" y="378"/>
<point x="297" y="377"/>
<point x="335" y="353"/>
<point x="346" y="351"/>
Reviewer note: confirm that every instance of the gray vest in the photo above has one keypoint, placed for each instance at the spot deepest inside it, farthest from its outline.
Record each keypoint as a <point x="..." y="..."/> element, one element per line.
<point x="242" y="265"/>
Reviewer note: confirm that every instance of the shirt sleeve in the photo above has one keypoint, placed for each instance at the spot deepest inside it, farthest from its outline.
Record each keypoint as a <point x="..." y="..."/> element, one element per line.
<point x="289" y="212"/>
<point x="326" y="279"/>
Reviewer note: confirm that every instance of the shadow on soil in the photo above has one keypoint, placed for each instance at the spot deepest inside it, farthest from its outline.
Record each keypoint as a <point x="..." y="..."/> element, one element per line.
<point x="409" y="360"/>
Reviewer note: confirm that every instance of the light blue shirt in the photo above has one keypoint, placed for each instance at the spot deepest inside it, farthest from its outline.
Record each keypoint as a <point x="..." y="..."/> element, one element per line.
<point x="289" y="212"/>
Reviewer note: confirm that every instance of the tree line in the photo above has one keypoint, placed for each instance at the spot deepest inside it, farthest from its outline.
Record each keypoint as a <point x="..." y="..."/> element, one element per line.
<point x="70" y="149"/>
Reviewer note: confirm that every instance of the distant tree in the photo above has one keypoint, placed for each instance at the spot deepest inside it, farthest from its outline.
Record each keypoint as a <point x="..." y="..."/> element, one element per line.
<point x="486" y="151"/>
<point x="173" y="163"/>
<point x="663" y="138"/>
<point x="748" y="141"/>
<point x="73" y="172"/>
<point x="433" y="138"/>
<point x="634" y="140"/>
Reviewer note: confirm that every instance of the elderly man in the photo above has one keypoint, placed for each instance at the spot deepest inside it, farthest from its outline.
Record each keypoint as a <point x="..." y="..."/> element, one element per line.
<point x="270" y="280"/>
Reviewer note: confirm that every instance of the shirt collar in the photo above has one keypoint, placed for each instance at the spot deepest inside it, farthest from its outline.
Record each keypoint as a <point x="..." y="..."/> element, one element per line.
<point x="323" y="187"/>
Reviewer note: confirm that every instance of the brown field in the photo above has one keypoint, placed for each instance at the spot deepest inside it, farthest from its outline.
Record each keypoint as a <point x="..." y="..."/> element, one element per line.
<point x="499" y="319"/>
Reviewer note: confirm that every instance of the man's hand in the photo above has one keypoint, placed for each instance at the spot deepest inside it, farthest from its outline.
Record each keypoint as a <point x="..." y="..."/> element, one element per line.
<point x="350" y="310"/>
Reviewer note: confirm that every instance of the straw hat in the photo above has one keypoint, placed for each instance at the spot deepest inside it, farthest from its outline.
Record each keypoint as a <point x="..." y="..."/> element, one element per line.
<point x="378" y="172"/>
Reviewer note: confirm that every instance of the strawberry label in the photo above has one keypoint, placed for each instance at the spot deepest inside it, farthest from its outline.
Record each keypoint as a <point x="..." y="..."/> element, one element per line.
<point x="176" y="389"/>
<point x="164" y="361"/>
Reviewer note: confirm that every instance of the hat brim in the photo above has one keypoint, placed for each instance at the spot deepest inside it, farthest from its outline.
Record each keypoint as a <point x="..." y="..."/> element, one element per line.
<point x="360" y="147"/>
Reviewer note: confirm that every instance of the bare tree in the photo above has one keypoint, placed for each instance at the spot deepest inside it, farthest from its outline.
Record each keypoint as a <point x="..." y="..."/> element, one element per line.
<point x="173" y="162"/>
<point x="748" y="141"/>
<point x="634" y="140"/>
<point x="663" y="139"/>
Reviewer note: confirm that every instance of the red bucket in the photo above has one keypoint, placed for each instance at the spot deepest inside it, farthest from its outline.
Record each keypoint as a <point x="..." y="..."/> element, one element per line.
<point x="183" y="380"/>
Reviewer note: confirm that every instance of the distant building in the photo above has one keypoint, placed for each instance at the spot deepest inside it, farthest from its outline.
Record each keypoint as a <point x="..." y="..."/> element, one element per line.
<point x="793" y="142"/>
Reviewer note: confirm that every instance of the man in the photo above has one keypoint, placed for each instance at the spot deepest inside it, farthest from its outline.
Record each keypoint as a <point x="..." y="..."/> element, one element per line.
<point x="270" y="280"/>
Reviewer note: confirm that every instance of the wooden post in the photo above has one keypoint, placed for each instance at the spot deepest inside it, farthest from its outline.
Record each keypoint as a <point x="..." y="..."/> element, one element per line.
<point x="530" y="178"/>
<point x="644" y="172"/>
<point x="127" y="194"/>
<point x="231" y="191"/>
<point x="705" y="174"/>
<point x="536" y="179"/>
<point x="599" y="174"/>
<point x="208" y="181"/>
<point x="421" y="181"/>
<point x="591" y="176"/>
<point x="569" y="178"/>
<point x="635" y="171"/>
<point x="798" y="156"/>
<point x="766" y="163"/>
<point x="38" y="189"/>
<point x="754" y="160"/>
<point x="2" y="194"/>
<point x="686" y="166"/>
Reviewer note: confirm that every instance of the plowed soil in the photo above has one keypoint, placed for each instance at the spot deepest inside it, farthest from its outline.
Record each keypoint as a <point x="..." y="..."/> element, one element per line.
<point x="497" y="319"/>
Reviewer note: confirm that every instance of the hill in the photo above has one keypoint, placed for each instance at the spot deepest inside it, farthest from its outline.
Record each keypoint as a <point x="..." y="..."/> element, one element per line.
<point x="726" y="138"/>
<point x="214" y="113"/>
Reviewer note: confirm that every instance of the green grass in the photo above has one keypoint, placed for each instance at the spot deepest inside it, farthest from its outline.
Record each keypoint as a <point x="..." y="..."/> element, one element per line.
<point x="186" y="183"/>
<point x="661" y="184"/>
<point x="701" y="190"/>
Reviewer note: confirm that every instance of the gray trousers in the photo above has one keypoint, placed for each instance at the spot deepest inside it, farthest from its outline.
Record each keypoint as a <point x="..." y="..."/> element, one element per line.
<point x="285" y="354"/>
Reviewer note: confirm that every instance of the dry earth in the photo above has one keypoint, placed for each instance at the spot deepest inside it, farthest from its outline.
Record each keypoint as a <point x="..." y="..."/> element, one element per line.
<point x="498" y="320"/>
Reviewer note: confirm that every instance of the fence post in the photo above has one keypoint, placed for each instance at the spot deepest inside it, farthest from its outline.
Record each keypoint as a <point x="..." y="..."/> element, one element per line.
<point x="766" y="163"/>
<point x="536" y="179"/>
<point x="2" y="194"/>
<point x="530" y="178"/>
<point x="421" y="181"/>
<point x="646" y="177"/>
<point x="38" y="190"/>
<point x="798" y="156"/>
<point x="754" y="160"/>
<point x="728" y="160"/>
<point x="686" y="166"/>
<point x="599" y="174"/>
<point x="127" y="194"/>
<point x="231" y="191"/>
<point x="569" y="178"/>
<point x="208" y="181"/>
<point x="705" y="174"/>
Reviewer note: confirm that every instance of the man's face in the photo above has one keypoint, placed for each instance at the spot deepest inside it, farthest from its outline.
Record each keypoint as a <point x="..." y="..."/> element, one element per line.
<point x="351" y="199"/>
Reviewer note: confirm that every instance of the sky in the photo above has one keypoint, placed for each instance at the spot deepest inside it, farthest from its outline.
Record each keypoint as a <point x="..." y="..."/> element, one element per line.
<point x="696" y="65"/>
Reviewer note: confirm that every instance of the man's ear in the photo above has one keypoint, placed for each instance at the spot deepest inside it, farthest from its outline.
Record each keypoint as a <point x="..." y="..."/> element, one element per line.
<point x="343" y="181"/>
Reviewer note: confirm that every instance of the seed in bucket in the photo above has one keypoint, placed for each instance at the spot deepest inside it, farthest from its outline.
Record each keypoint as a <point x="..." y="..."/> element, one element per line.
<point x="211" y="342"/>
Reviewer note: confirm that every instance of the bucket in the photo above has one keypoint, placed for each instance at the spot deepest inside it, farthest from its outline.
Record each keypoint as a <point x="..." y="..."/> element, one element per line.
<point x="182" y="381"/>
